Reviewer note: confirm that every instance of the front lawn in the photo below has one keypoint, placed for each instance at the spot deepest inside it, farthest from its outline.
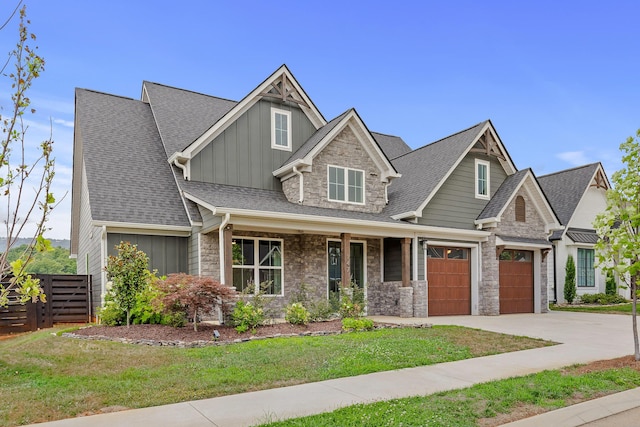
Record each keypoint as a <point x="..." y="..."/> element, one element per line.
<point x="489" y="404"/>
<point x="45" y="377"/>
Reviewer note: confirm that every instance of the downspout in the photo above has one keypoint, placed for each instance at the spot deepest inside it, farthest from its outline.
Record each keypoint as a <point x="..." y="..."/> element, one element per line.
<point x="297" y="172"/>
<point x="181" y="166"/>
<point x="223" y="224"/>
<point x="103" y="257"/>
<point x="555" y="276"/>
<point x="386" y="192"/>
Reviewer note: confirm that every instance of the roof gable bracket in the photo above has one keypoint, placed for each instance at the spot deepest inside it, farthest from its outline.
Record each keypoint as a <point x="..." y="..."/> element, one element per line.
<point x="599" y="180"/>
<point x="488" y="145"/>
<point x="283" y="90"/>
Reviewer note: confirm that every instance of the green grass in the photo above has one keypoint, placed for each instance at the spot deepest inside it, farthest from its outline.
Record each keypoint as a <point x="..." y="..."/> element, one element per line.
<point x="605" y="309"/>
<point x="544" y="391"/>
<point x="46" y="377"/>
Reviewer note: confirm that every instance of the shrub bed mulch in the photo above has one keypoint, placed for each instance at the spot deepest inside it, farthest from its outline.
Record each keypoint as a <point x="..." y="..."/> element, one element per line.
<point x="162" y="335"/>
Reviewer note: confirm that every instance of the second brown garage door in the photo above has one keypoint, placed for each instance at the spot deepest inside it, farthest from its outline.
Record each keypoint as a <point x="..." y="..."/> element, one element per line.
<point x="516" y="282"/>
<point x="449" y="276"/>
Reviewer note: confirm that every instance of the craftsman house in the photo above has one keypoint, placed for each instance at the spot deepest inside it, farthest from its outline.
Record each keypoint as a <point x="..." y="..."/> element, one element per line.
<point x="265" y="190"/>
<point x="577" y="196"/>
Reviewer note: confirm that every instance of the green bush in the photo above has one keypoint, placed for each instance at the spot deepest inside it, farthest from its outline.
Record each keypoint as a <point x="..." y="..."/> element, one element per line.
<point x="351" y="301"/>
<point x="297" y="314"/>
<point x="360" y="324"/>
<point x="611" y="287"/>
<point x="602" y="299"/>
<point x="570" y="280"/>
<point x="319" y="309"/>
<point x="247" y="316"/>
<point x="111" y="315"/>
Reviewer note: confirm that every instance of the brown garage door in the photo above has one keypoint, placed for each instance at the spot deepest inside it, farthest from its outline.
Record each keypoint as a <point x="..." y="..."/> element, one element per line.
<point x="449" y="276"/>
<point x="516" y="282"/>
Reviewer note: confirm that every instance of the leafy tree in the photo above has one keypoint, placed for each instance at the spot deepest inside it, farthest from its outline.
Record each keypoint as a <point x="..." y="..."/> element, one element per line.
<point x="128" y="272"/>
<point x="20" y="174"/>
<point x="570" y="280"/>
<point x="54" y="261"/>
<point x="618" y="247"/>
<point x="195" y="295"/>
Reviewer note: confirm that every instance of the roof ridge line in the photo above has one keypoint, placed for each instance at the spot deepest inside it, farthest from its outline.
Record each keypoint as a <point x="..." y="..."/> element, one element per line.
<point x="569" y="170"/>
<point x="190" y="91"/>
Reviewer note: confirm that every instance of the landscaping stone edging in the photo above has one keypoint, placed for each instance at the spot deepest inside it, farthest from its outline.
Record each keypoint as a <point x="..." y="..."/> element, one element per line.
<point x="206" y="343"/>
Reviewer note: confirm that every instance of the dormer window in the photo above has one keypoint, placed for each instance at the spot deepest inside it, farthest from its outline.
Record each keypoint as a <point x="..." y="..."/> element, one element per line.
<point x="346" y="185"/>
<point x="482" y="179"/>
<point x="280" y="129"/>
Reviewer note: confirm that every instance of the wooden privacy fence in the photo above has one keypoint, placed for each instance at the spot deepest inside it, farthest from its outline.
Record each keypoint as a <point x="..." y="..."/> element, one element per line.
<point x="68" y="301"/>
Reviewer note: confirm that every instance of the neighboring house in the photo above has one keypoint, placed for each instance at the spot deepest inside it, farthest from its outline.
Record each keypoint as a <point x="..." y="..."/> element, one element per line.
<point x="267" y="190"/>
<point x="577" y="195"/>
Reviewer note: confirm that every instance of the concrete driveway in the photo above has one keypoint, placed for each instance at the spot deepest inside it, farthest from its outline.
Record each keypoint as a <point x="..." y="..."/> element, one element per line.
<point x="583" y="337"/>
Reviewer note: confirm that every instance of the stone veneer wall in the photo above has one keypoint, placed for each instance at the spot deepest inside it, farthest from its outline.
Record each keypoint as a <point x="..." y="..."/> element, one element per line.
<point x="305" y="262"/>
<point x="345" y="151"/>
<point x="392" y="299"/>
<point x="533" y="228"/>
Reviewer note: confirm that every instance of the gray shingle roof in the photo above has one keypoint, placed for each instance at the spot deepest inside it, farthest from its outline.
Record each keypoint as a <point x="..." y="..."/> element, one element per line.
<point x="254" y="199"/>
<point x="393" y="146"/>
<point x="424" y="168"/>
<point x="564" y="189"/>
<point x="182" y="116"/>
<point x="315" y="139"/>
<point x="502" y="196"/>
<point x="128" y="175"/>
<point x="580" y="235"/>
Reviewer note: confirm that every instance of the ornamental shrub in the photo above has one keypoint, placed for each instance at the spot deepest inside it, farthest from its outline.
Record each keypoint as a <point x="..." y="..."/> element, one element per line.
<point x="297" y="314"/>
<point x="247" y="316"/>
<point x="350" y="324"/>
<point x="603" y="299"/>
<point x="611" y="288"/>
<point x="351" y="301"/>
<point x="570" y="280"/>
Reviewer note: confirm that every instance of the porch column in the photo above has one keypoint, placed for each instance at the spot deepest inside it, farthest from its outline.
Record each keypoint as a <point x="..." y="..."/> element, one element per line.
<point x="345" y="257"/>
<point x="228" y="255"/>
<point x="406" y="262"/>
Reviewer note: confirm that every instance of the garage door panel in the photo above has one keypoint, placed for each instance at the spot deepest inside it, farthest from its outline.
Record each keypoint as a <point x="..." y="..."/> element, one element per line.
<point x="449" y="285"/>
<point x="516" y="283"/>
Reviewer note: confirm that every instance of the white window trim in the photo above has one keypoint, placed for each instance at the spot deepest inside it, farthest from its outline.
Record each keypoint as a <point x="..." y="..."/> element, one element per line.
<point x="257" y="267"/>
<point x="275" y="111"/>
<point x="475" y="182"/>
<point x="346" y="185"/>
<point x="595" y="270"/>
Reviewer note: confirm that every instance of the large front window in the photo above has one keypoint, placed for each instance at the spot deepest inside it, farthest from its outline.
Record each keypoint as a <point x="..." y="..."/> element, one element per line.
<point x="346" y="185"/>
<point x="257" y="262"/>
<point x="586" y="275"/>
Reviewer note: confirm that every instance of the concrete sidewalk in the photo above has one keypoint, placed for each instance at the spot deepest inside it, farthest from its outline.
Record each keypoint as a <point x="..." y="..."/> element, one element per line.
<point x="584" y="337"/>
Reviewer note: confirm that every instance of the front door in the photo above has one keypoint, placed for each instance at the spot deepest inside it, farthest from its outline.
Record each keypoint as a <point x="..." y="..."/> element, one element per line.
<point x="335" y="262"/>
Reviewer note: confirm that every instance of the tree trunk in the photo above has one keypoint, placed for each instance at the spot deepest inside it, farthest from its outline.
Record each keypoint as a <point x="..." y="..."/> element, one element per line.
<point x="195" y="321"/>
<point x="128" y="317"/>
<point x="634" y="301"/>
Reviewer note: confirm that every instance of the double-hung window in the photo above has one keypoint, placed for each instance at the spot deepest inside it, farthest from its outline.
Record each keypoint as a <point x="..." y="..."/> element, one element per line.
<point x="482" y="179"/>
<point x="280" y="129"/>
<point x="586" y="274"/>
<point x="346" y="185"/>
<point x="257" y="265"/>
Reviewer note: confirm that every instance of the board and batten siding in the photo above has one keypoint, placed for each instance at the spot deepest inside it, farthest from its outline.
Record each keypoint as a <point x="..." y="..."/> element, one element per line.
<point x="167" y="254"/>
<point x="455" y="204"/>
<point x="89" y="239"/>
<point x="242" y="155"/>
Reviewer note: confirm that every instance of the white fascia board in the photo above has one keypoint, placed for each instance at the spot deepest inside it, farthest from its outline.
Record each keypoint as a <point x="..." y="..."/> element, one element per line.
<point x="490" y="222"/>
<point x="287" y="170"/>
<point x="408" y="215"/>
<point x="372" y="147"/>
<point x="131" y="227"/>
<point x="247" y="102"/>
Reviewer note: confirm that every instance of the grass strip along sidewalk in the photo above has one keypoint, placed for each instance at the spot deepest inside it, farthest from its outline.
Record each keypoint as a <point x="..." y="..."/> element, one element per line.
<point x="45" y="377"/>
<point x="489" y="404"/>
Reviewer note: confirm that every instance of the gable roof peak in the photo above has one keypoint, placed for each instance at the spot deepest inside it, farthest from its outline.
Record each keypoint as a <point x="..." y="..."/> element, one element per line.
<point x="573" y="169"/>
<point x="147" y="82"/>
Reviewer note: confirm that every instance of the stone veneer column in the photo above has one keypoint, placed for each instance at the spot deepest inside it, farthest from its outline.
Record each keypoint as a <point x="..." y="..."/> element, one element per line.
<point x="420" y="303"/>
<point x="489" y="294"/>
<point x="406" y="302"/>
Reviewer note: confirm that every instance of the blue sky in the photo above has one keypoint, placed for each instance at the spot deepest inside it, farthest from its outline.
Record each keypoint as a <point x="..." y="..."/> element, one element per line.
<point x="558" y="79"/>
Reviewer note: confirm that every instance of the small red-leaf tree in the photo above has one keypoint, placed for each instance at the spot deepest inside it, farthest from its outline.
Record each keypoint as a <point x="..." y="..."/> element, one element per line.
<point x="195" y="295"/>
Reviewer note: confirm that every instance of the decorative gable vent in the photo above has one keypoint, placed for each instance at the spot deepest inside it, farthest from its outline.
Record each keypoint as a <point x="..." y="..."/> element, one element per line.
<point x="599" y="181"/>
<point x="487" y="144"/>
<point x="283" y="89"/>
<point x="521" y="211"/>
